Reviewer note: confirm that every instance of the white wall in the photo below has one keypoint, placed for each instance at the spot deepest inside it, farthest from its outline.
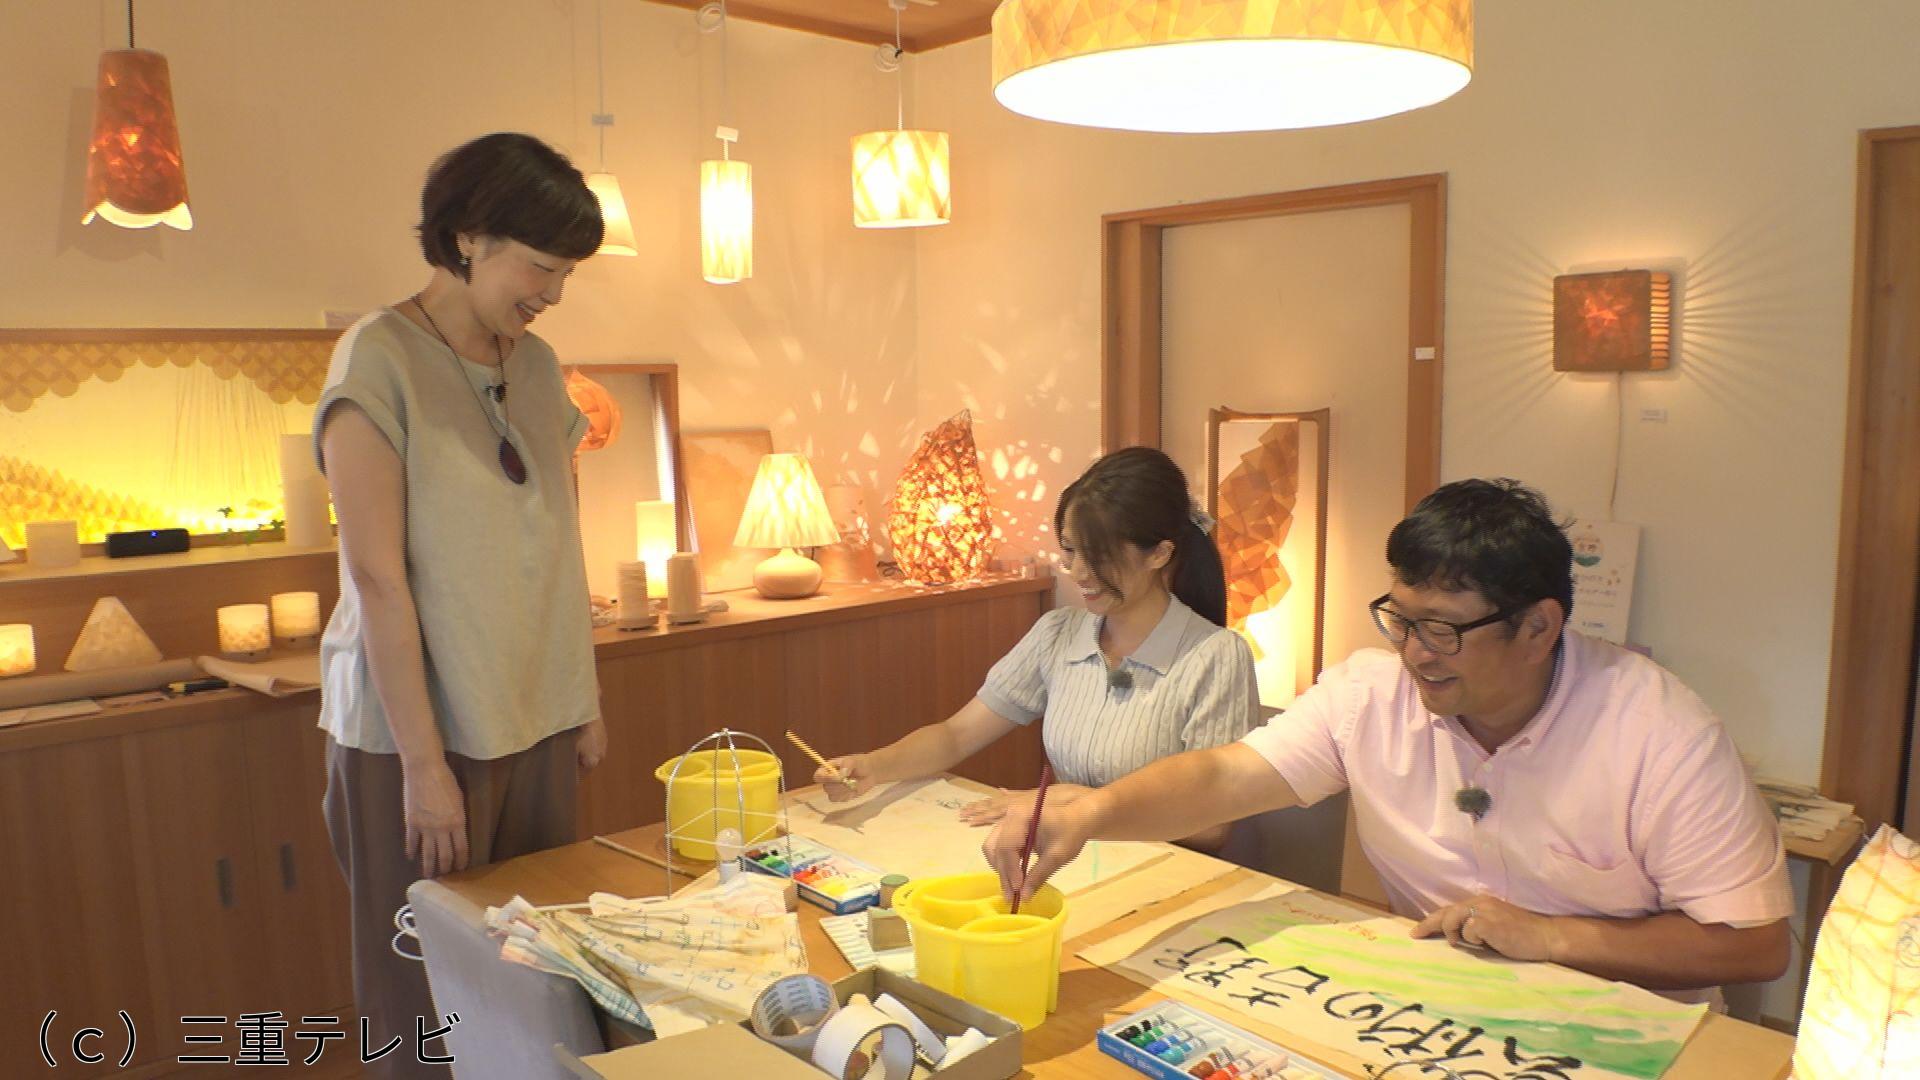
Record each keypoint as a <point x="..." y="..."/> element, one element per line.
<point x="1715" y="139"/>
<point x="307" y="129"/>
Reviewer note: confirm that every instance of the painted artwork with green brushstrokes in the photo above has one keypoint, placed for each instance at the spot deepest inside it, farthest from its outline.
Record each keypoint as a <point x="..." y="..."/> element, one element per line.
<point x="1410" y="1007"/>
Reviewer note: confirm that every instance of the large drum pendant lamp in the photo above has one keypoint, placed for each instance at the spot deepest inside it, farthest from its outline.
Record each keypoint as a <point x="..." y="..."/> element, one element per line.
<point x="1228" y="65"/>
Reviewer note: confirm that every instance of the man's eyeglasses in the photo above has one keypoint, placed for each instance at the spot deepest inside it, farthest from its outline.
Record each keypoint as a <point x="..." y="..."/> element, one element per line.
<point x="1438" y="635"/>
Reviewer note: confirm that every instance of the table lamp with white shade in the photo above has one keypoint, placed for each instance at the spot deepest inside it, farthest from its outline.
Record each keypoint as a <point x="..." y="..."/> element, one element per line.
<point x="786" y="510"/>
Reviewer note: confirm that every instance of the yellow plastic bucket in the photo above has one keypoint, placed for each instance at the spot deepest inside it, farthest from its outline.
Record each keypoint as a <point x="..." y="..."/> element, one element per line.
<point x="706" y="797"/>
<point x="965" y="943"/>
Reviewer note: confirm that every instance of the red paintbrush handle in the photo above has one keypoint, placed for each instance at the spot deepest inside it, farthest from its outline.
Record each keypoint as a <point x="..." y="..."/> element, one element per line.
<point x="1033" y="833"/>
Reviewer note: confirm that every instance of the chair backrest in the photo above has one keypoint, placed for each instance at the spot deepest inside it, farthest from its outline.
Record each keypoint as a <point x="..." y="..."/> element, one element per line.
<point x="511" y="1016"/>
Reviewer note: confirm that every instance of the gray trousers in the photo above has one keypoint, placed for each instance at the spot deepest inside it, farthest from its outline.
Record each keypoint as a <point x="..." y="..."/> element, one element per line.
<point x="517" y="804"/>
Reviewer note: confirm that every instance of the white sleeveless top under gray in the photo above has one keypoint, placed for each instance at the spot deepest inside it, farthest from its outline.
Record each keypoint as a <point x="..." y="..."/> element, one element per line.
<point x="1193" y="687"/>
<point x="495" y="567"/>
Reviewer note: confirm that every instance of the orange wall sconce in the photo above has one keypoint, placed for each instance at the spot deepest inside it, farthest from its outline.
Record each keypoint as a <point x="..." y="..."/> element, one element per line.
<point x="1619" y="320"/>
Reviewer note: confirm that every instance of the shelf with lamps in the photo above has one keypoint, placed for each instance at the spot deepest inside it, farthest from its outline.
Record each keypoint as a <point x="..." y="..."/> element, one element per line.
<point x="786" y="510"/>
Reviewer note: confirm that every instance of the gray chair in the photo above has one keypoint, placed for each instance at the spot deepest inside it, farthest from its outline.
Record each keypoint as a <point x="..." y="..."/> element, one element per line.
<point x="511" y="1016"/>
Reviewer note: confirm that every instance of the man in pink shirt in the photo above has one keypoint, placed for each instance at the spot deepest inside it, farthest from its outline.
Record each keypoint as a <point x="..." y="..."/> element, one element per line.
<point x="1517" y="785"/>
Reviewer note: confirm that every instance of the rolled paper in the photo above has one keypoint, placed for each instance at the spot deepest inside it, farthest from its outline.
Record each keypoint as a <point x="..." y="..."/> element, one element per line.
<point x="42" y="689"/>
<point x="52" y="545"/>
<point x="243" y="630"/>
<point x="296" y="617"/>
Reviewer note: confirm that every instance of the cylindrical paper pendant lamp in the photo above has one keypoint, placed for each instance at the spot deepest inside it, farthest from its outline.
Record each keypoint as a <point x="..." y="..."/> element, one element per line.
<point x="726" y="221"/>
<point x="901" y="180"/>
<point x="135" y="175"/>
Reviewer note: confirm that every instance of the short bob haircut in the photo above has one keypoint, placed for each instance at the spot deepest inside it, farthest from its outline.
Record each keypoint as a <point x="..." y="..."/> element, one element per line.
<point x="510" y="186"/>
<point x="1494" y="537"/>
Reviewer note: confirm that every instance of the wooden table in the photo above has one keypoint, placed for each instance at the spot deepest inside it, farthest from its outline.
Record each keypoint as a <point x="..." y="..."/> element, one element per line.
<point x="1062" y="1048"/>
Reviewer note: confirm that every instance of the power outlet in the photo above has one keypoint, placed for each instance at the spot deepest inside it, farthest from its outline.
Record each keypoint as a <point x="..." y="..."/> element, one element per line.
<point x="1653" y="414"/>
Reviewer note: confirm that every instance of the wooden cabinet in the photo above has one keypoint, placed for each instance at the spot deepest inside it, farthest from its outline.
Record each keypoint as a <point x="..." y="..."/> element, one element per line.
<point x="171" y="859"/>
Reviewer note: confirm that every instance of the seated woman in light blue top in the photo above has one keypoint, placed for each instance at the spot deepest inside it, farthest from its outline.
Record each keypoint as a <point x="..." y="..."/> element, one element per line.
<point x="1144" y="670"/>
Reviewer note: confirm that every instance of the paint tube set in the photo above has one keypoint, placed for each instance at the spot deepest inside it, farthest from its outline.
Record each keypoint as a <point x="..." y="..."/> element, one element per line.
<point x="825" y="877"/>
<point x="1171" y="1040"/>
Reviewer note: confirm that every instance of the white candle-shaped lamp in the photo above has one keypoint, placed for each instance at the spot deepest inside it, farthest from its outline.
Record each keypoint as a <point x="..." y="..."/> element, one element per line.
<point x="53" y="544"/>
<point x="655" y="540"/>
<point x="683" y="588"/>
<point x="243" y="630"/>
<point x="296" y="617"/>
<point x="305" y="491"/>
<point x="16" y="649"/>
<point x="636" y="611"/>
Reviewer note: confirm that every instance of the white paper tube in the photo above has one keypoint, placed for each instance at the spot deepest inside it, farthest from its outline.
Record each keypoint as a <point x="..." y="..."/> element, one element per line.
<point x="305" y="491"/>
<point x="683" y="588"/>
<point x="634" y="613"/>
<point x="932" y="1046"/>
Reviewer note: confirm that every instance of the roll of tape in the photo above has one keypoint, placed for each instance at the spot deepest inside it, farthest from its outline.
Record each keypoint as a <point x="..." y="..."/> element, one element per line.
<point x="791" y="1012"/>
<point x="932" y="1046"/>
<point x="861" y="1041"/>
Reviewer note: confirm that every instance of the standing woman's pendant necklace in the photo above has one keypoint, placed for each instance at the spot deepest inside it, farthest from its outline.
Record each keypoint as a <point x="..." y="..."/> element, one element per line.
<point x="510" y="461"/>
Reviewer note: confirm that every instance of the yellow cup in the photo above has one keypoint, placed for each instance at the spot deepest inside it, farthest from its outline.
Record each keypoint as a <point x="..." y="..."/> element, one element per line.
<point x="965" y="943"/>
<point x="707" y="797"/>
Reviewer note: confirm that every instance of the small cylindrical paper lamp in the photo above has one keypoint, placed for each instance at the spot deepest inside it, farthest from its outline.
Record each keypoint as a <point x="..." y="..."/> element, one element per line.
<point x="16" y="649"/>
<point x="296" y="617"/>
<point x="655" y="539"/>
<point x="53" y="544"/>
<point x="243" y="630"/>
<point x="305" y="491"/>
<point x="683" y="588"/>
<point x="636" y="611"/>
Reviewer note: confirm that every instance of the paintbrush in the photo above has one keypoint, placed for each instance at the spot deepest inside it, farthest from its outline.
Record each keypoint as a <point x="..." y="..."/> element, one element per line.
<point x="1033" y="834"/>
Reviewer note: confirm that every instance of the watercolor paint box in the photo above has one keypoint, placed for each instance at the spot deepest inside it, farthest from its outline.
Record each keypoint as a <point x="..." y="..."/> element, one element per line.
<point x="1175" y="1041"/>
<point x="825" y="877"/>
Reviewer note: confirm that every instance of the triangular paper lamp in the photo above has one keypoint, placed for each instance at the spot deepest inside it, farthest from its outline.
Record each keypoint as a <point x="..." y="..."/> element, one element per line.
<point x="111" y="639"/>
<point x="940" y="526"/>
<point x="1861" y="1020"/>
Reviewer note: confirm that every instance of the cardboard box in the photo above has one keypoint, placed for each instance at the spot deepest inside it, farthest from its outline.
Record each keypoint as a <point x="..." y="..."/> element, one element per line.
<point x="735" y="1050"/>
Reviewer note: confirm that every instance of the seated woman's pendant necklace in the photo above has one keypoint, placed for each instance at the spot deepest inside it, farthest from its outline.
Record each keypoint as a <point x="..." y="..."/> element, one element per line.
<point x="510" y="460"/>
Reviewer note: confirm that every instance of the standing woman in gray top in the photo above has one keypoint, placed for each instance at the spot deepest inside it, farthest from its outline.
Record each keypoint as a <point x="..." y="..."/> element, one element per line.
<point x="458" y="689"/>
<point x="1144" y="670"/>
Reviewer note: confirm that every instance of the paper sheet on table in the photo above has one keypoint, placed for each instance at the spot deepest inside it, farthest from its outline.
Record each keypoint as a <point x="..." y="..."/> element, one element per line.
<point x="281" y="676"/>
<point x="1333" y="975"/>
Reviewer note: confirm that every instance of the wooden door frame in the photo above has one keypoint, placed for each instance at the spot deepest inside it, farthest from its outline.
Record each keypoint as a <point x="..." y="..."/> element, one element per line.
<point x="1866" y="758"/>
<point x="1131" y="346"/>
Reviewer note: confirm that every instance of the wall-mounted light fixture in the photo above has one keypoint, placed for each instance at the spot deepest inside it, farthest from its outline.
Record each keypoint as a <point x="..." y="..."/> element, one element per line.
<point x="1617" y="320"/>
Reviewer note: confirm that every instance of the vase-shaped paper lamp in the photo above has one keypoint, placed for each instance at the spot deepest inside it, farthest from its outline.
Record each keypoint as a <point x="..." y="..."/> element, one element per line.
<point x="1228" y="65"/>
<point x="1861" y="1020"/>
<point x="656" y="538"/>
<point x="901" y="179"/>
<point x="940" y="526"/>
<point x="135" y="175"/>
<point x="111" y="639"/>
<point x="244" y="631"/>
<point x="601" y="410"/>
<point x="16" y="649"/>
<point x="785" y="510"/>
<point x="726" y="221"/>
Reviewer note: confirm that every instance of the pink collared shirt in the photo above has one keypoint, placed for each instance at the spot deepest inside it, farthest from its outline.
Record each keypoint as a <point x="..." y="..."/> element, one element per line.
<point x="1622" y="797"/>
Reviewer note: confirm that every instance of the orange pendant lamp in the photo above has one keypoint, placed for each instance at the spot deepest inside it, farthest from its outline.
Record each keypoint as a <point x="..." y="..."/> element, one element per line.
<point x="900" y="176"/>
<point x="135" y="175"/>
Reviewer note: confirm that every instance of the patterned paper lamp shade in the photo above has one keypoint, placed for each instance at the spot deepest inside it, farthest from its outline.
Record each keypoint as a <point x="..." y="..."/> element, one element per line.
<point x="901" y="180"/>
<point x="941" y="526"/>
<point x="786" y="509"/>
<point x="1228" y="65"/>
<point x="726" y="221"/>
<point x="617" y="237"/>
<point x="603" y="412"/>
<point x="1861" y="1020"/>
<point x="135" y="175"/>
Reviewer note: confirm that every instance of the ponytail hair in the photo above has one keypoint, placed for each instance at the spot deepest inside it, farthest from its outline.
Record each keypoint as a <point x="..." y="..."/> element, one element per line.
<point x="1138" y="496"/>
